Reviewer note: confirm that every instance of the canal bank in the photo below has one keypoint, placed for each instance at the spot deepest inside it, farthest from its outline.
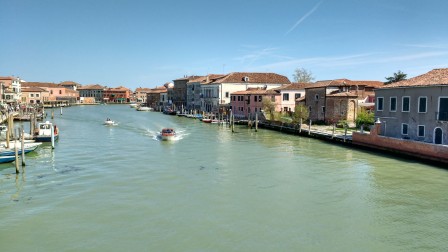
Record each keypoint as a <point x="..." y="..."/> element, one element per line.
<point x="423" y="152"/>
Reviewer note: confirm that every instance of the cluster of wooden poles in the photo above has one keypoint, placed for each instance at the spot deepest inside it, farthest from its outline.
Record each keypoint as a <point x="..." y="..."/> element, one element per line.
<point x="10" y="132"/>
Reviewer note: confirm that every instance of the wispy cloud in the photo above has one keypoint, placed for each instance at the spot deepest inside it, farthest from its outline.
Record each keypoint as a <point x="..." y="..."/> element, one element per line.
<point x="352" y="60"/>
<point x="431" y="46"/>
<point x="304" y="17"/>
<point x="261" y="54"/>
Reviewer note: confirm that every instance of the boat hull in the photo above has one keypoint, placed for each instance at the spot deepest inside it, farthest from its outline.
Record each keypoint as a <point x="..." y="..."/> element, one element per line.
<point x="45" y="138"/>
<point x="7" y="159"/>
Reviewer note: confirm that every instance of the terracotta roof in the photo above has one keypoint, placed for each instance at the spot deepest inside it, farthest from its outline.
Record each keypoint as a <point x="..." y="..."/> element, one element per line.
<point x="294" y="86"/>
<point x="33" y="89"/>
<point x="343" y="94"/>
<point x="69" y="83"/>
<point x="142" y="89"/>
<point x="256" y="91"/>
<point x="205" y="80"/>
<point x="40" y="84"/>
<point x="301" y="99"/>
<point x="91" y="87"/>
<point x="191" y="77"/>
<point x="158" y="90"/>
<point x="7" y="78"/>
<point x="345" y="82"/>
<point x="241" y="77"/>
<point x="432" y="78"/>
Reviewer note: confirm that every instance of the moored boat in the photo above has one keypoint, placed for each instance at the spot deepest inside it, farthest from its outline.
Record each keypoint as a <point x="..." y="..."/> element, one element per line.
<point x="167" y="134"/>
<point x="44" y="133"/>
<point x="28" y="147"/>
<point x="207" y="120"/>
<point x="7" y="159"/>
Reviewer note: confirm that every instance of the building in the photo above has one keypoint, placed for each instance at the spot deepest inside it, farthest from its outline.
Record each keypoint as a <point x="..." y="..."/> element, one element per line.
<point x="415" y="109"/>
<point x="246" y="104"/>
<point x="34" y="95"/>
<point x="141" y="94"/>
<point x="70" y="85"/>
<point x="194" y="90"/>
<point x="91" y="91"/>
<point x="335" y="100"/>
<point x="156" y="98"/>
<point x="179" y="91"/>
<point x="290" y="93"/>
<point x="10" y="88"/>
<point x="57" y="93"/>
<point x="216" y="94"/>
<point x="116" y="95"/>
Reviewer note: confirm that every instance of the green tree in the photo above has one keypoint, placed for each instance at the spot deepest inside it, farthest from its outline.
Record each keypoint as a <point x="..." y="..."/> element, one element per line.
<point x="300" y="112"/>
<point x="268" y="107"/>
<point x="303" y="75"/>
<point x="364" y="117"/>
<point x="398" y="76"/>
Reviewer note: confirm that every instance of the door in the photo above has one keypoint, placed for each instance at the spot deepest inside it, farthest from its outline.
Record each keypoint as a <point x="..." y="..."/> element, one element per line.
<point x="438" y="136"/>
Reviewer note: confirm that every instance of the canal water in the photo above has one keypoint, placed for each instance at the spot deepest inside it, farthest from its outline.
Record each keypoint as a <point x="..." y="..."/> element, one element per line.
<point x="120" y="189"/>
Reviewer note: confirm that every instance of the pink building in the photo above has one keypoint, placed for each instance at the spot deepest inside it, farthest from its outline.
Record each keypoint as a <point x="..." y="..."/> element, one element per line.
<point x="247" y="103"/>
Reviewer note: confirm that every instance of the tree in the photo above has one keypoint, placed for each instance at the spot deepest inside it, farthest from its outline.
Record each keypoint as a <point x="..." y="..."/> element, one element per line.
<point x="303" y="75"/>
<point x="300" y="112"/>
<point x="268" y="106"/>
<point x="398" y="76"/>
<point x="365" y="118"/>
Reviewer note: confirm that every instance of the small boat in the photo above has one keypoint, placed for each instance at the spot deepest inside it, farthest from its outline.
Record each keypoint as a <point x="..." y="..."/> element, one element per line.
<point x="207" y="120"/>
<point x="109" y="122"/>
<point x="28" y="147"/>
<point x="144" y="108"/>
<point x="7" y="159"/>
<point x="133" y="105"/>
<point x="44" y="133"/>
<point x="167" y="134"/>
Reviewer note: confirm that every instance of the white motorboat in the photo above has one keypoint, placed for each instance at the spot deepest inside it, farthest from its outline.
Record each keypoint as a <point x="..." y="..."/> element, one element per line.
<point x="144" y="108"/>
<point x="167" y="134"/>
<point x="109" y="122"/>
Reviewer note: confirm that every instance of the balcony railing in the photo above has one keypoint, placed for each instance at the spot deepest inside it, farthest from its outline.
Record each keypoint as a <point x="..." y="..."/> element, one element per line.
<point x="442" y="116"/>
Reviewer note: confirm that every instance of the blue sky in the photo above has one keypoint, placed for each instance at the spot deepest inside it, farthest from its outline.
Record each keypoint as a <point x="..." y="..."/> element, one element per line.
<point x="148" y="43"/>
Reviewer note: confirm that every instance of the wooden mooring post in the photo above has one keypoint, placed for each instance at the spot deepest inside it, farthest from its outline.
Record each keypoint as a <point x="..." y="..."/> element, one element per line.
<point x="309" y="128"/>
<point x="256" y="122"/>
<point x="23" y="147"/>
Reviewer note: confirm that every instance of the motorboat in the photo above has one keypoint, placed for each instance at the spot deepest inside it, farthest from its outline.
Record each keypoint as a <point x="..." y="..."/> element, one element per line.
<point x="7" y="159"/>
<point x="144" y="108"/>
<point x="167" y="134"/>
<point x="44" y="132"/>
<point x="109" y="122"/>
<point x="133" y="105"/>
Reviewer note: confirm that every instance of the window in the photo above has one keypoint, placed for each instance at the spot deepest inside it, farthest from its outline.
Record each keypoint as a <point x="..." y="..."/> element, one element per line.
<point x="60" y="91"/>
<point x="285" y="109"/>
<point x="379" y="103"/>
<point x="297" y="96"/>
<point x="227" y="94"/>
<point x="405" y="106"/>
<point x="421" y="130"/>
<point x="255" y="98"/>
<point x="422" y="104"/>
<point x="31" y="95"/>
<point x="393" y="104"/>
<point x="323" y="109"/>
<point x="316" y="97"/>
<point x="404" y="129"/>
<point x="37" y="95"/>
<point x="443" y="109"/>
<point x="286" y="97"/>
<point x="51" y="91"/>
<point x="259" y="98"/>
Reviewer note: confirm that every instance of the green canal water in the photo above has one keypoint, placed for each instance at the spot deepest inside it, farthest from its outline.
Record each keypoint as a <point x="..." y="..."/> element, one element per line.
<point x="120" y="189"/>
